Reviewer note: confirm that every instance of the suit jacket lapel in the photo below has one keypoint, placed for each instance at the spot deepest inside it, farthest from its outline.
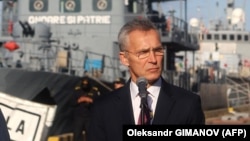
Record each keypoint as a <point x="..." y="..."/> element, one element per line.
<point x="126" y="105"/>
<point x="164" y="104"/>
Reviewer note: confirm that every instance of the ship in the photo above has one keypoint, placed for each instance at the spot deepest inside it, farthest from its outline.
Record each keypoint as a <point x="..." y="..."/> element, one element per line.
<point x="221" y="65"/>
<point x="48" y="45"/>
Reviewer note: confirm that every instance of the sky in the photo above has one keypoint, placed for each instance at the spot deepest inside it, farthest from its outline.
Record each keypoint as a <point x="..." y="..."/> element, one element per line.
<point x="206" y="9"/>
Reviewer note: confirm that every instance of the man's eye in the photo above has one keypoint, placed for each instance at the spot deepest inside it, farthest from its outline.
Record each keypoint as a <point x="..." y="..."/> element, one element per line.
<point x="158" y="49"/>
<point x="143" y="52"/>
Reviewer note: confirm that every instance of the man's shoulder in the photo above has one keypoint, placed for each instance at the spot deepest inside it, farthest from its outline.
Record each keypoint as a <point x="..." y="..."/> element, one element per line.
<point x="180" y="91"/>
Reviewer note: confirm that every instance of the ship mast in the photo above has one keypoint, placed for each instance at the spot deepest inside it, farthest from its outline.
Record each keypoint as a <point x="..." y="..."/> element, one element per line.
<point x="230" y="8"/>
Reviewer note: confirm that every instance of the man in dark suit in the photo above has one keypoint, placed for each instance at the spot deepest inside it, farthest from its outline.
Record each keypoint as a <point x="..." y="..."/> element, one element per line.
<point x="142" y="52"/>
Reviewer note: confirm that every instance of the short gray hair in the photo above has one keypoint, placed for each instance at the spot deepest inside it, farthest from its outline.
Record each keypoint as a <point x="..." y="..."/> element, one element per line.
<point x="143" y="24"/>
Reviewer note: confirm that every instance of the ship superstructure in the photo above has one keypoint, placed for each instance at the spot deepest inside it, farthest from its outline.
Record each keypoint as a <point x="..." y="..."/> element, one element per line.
<point x="74" y="36"/>
<point x="222" y="61"/>
<point x="224" y="44"/>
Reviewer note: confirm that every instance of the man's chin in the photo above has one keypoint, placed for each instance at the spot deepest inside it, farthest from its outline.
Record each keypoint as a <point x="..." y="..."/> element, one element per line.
<point x="153" y="78"/>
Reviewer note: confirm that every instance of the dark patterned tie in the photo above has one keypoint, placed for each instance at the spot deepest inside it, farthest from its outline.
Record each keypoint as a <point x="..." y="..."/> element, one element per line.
<point x="145" y="119"/>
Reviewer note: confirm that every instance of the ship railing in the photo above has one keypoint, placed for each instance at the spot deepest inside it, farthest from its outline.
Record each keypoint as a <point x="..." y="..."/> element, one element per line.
<point x="238" y="94"/>
<point x="192" y="79"/>
<point x="52" y="61"/>
<point x="174" y="28"/>
<point x="87" y="62"/>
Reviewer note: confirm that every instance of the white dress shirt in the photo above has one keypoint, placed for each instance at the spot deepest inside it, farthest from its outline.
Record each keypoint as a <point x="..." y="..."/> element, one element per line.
<point x="152" y="98"/>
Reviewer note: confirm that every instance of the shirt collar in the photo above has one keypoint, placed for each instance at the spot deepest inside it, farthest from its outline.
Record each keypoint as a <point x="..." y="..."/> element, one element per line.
<point x="134" y="90"/>
<point x="155" y="88"/>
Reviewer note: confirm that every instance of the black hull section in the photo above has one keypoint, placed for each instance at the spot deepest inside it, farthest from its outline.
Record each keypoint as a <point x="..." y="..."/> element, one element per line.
<point x="47" y="88"/>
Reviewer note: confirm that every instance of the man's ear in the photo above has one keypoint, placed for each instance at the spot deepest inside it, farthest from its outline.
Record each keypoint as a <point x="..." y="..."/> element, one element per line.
<point x="123" y="58"/>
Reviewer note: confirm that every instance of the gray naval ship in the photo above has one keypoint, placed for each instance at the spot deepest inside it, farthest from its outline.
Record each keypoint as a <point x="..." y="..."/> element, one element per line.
<point x="47" y="45"/>
<point x="222" y="62"/>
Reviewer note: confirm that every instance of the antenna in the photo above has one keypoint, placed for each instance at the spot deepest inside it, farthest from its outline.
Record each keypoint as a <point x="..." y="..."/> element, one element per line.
<point x="217" y="10"/>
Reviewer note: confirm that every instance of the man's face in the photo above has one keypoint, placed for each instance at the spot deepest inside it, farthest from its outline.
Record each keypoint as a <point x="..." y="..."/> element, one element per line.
<point x="149" y="67"/>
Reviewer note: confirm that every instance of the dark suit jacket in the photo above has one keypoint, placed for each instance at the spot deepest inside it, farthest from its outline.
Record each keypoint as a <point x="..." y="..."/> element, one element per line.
<point x="175" y="106"/>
